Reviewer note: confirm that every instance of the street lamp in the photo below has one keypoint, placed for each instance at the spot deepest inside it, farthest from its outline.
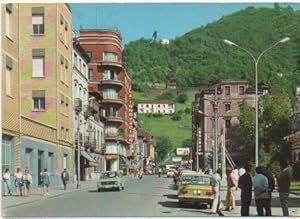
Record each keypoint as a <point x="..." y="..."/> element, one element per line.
<point x="256" y="60"/>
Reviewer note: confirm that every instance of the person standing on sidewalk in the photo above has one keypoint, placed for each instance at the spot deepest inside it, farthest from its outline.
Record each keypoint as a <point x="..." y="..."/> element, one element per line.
<point x="284" y="182"/>
<point x="216" y="186"/>
<point x="27" y="179"/>
<point x="231" y="187"/>
<point x="271" y="181"/>
<point x="261" y="195"/>
<point x="6" y="182"/>
<point x="19" y="181"/>
<point x="45" y="181"/>
<point x="245" y="184"/>
<point x="65" y="178"/>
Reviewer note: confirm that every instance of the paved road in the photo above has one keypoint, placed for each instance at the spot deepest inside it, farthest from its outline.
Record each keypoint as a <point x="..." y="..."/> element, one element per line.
<point x="151" y="196"/>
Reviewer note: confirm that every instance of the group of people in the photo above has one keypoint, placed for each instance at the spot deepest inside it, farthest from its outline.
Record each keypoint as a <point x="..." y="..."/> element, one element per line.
<point x="23" y="182"/>
<point x="262" y="183"/>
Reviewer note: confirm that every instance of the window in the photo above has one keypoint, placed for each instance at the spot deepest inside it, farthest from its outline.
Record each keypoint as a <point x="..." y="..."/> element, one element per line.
<point x="38" y="20"/>
<point x="9" y="64"/>
<point x="38" y="62"/>
<point x="227" y="90"/>
<point x="109" y="74"/>
<point x="147" y="105"/>
<point x="110" y="93"/>
<point x="84" y="69"/>
<point x="89" y="54"/>
<point x="227" y="123"/>
<point x="61" y="27"/>
<point x="65" y="161"/>
<point x="38" y="98"/>
<point x="66" y="70"/>
<point x="7" y="150"/>
<point x="75" y="60"/>
<point x="227" y="107"/>
<point x="8" y="23"/>
<point x="90" y="74"/>
<point x="110" y="112"/>
<point x="62" y="71"/>
<point x="80" y="66"/>
<point x="62" y="132"/>
<point x="28" y="158"/>
<point x="67" y="134"/>
<point x="158" y="106"/>
<point x="109" y="56"/>
<point x="241" y="90"/>
<point x="66" y="31"/>
<point x="50" y="162"/>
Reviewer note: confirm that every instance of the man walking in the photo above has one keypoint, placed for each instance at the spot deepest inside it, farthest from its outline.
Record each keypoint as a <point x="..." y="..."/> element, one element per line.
<point x="65" y="178"/>
<point x="216" y="185"/>
<point x="261" y="195"/>
<point x="245" y="184"/>
<point x="284" y="182"/>
<point x="231" y="187"/>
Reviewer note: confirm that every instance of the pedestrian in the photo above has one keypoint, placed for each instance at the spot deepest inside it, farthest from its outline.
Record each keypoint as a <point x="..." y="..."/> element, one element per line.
<point x="27" y="179"/>
<point x="19" y="181"/>
<point x="231" y="187"/>
<point x="65" y="178"/>
<point x="245" y="184"/>
<point x="261" y="195"/>
<point x="6" y="182"/>
<point x="45" y="177"/>
<point x="284" y="182"/>
<point x="216" y="186"/>
<point x="271" y="182"/>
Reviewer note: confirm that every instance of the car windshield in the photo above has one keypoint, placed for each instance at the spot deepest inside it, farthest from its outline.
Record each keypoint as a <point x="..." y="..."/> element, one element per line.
<point x="108" y="175"/>
<point x="195" y="180"/>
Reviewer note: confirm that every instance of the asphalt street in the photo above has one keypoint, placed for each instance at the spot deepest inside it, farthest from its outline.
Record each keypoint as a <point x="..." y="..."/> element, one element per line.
<point x="150" y="196"/>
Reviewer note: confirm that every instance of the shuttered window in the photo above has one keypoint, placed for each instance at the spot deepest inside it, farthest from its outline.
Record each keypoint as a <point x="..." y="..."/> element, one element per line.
<point x="38" y="24"/>
<point x="8" y="75"/>
<point x="37" y="66"/>
<point x="8" y="23"/>
<point x="38" y="98"/>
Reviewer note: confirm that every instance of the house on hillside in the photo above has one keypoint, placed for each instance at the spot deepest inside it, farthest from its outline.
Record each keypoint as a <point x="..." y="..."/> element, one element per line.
<point x="155" y="107"/>
<point x="171" y="85"/>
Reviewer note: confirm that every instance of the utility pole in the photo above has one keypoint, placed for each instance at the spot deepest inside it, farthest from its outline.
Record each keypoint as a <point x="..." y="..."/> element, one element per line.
<point x="215" y="110"/>
<point x="223" y="148"/>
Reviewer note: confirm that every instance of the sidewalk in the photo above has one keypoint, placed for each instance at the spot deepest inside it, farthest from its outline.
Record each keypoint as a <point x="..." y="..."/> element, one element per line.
<point x="294" y="204"/>
<point x="37" y="193"/>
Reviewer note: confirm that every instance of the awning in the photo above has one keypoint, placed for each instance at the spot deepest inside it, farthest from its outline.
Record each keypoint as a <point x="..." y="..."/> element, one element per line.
<point x="87" y="156"/>
<point x="126" y="162"/>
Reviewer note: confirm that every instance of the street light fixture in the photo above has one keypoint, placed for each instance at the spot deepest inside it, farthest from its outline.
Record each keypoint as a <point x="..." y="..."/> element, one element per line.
<point x="256" y="60"/>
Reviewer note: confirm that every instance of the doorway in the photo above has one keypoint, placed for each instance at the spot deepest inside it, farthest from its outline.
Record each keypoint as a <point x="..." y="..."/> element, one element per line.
<point x="40" y="166"/>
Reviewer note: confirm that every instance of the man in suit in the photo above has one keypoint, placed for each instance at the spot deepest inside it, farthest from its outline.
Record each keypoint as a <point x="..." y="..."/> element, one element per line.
<point x="65" y="178"/>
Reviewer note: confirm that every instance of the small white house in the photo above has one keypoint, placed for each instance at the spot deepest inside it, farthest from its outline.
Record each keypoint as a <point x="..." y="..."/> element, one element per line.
<point x="155" y="107"/>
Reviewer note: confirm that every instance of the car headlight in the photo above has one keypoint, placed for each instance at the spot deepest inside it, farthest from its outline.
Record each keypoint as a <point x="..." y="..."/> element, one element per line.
<point x="197" y="192"/>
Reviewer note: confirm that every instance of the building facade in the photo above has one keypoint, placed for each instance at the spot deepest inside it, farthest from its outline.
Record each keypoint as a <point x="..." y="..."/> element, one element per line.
<point x="45" y="56"/>
<point x="155" y="107"/>
<point x="294" y="137"/>
<point x="109" y="80"/>
<point x="11" y="122"/>
<point x="223" y="100"/>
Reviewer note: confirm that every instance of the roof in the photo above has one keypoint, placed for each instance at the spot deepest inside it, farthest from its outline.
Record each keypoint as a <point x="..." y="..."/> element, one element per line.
<point x="143" y="133"/>
<point x="79" y="49"/>
<point x="154" y="101"/>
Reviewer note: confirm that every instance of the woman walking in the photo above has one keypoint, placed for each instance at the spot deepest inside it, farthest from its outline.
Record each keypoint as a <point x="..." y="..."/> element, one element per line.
<point x="45" y="181"/>
<point x="19" y="181"/>
<point x="6" y="182"/>
<point x="27" y="179"/>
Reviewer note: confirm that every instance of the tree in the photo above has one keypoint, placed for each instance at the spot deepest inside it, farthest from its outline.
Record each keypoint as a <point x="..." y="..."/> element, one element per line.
<point x="163" y="146"/>
<point x="181" y="98"/>
<point x="165" y="96"/>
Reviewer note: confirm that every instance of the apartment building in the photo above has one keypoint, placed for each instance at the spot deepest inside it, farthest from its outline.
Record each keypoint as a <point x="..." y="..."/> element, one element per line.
<point x="294" y="137"/>
<point x="45" y="56"/>
<point x="110" y="81"/>
<point x="155" y="107"/>
<point x="10" y="76"/>
<point x="146" y="150"/>
<point x="223" y="99"/>
<point x="88" y="129"/>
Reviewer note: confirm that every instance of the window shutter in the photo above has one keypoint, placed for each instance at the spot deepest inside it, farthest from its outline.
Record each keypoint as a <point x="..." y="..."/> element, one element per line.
<point x="9" y="7"/>
<point x="61" y="19"/>
<point x="37" y="19"/>
<point x="38" y="67"/>
<point x="37" y="11"/>
<point x="9" y="62"/>
<point x="62" y="59"/>
<point x="38" y="52"/>
<point x="66" y="63"/>
<point x="62" y="98"/>
<point x="66" y="26"/>
<point x="38" y="93"/>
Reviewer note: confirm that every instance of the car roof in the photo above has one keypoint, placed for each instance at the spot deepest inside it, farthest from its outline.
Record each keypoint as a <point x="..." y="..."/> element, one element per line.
<point x="196" y="174"/>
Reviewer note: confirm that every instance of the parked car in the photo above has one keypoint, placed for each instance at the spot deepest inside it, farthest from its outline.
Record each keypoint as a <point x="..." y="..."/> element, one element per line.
<point x="170" y="173"/>
<point x="110" y="180"/>
<point x="195" y="188"/>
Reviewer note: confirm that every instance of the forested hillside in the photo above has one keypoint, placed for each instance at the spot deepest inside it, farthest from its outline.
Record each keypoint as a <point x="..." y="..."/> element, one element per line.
<point x="200" y="57"/>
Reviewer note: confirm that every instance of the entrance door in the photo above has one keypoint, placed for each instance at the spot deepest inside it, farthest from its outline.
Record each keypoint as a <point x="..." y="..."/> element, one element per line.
<point x="108" y="164"/>
<point x="40" y="166"/>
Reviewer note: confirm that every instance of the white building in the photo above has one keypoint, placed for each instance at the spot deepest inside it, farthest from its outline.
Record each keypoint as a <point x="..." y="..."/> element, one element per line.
<point x="88" y="129"/>
<point x="155" y="107"/>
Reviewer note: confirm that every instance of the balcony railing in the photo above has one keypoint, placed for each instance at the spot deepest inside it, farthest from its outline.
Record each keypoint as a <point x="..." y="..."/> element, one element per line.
<point x="112" y="81"/>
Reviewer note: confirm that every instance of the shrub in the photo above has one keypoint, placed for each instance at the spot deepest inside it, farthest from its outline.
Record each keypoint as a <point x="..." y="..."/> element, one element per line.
<point x="181" y="98"/>
<point x="165" y="96"/>
<point x="187" y="110"/>
<point x="176" y="116"/>
<point x="158" y="115"/>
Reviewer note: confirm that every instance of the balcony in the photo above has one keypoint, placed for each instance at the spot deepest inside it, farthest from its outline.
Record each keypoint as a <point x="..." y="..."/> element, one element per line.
<point x="92" y="108"/>
<point x="116" y="137"/>
<point x="111" y="63"/>
<point x="107" y="81"/>
<point x="89" y="142"/>
<point x="116" y="100"/>
<point x="114" y="119"/>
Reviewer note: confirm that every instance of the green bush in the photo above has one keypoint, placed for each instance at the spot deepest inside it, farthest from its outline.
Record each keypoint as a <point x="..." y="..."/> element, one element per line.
<point x="181" y="98"/>
<point x="158" y="115"/>
<point x="187" y="110"/>
<point x="176" y="116"/>
<point x="165" y="96"/>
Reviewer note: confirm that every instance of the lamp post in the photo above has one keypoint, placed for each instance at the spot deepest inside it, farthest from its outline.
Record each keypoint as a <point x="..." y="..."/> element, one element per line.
<point x="256" y="60"/>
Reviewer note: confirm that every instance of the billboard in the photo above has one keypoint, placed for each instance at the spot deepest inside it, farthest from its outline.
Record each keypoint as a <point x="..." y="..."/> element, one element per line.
<point x="182" y="151"/>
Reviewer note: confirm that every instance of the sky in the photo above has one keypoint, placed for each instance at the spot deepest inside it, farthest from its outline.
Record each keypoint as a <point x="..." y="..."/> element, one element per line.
<point x="170" y="20"/>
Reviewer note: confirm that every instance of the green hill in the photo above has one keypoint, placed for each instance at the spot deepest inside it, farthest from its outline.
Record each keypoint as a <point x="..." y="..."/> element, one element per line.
<point x="199" y="57"/>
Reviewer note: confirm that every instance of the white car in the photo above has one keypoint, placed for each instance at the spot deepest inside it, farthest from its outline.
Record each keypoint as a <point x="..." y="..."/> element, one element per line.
<point x="170" y="173"/>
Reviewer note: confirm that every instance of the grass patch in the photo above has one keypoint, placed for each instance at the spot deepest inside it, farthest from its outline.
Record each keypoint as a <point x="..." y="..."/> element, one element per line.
<point x="141" y="96"/>
<point x="295" y="186"/>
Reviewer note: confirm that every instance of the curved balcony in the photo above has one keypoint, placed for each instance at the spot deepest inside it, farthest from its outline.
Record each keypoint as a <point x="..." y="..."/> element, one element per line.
<point x="114" y="119"/>
<point x="115" y="137"/>
<point x="111" y="63"/>
<point x="112" y="82"/>
<point x="116" y="100"/>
